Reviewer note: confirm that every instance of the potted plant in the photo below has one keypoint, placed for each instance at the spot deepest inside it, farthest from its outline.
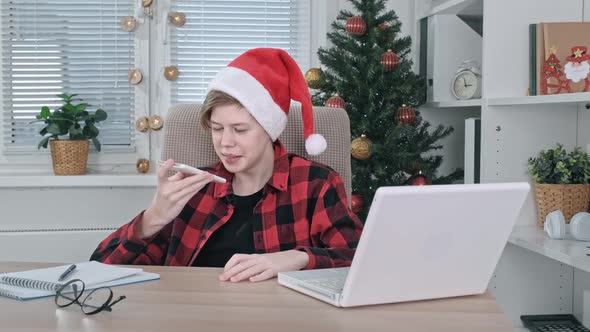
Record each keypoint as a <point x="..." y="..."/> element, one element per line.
<point x="70" y="154"/>
<point x="561" y="181"/>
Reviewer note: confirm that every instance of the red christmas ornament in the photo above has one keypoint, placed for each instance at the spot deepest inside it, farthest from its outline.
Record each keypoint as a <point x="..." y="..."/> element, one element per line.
<point x="336" y="102"/>
<point x="389" y="60"/>
<point x="356" y="26"/>
<point x="383" y="26"/>
<point x="357" y="203"/>
<point x="405" y="115"/>
<point x="419" y="180"/>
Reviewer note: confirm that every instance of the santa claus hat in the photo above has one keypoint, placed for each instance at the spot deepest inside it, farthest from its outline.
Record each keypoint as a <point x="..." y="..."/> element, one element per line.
<point x="579" y="54"/>
<point x="264" y="80"/>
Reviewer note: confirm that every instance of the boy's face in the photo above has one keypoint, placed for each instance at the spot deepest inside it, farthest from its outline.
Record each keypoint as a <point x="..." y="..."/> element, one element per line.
<point x="238" y="138"/>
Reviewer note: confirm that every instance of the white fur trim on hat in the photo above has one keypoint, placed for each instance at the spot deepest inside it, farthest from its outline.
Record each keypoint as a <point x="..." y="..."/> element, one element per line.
<point x="315" y="144"/>
<point x="254" y="97"/>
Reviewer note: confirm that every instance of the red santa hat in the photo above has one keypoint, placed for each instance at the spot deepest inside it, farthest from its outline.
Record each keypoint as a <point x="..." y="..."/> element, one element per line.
<point x="264" y="80"/>
<point x="579" y="54"/>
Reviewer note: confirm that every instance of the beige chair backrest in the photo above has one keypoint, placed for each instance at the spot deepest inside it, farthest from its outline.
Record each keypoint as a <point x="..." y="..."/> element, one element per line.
<point x="186" y="142"/>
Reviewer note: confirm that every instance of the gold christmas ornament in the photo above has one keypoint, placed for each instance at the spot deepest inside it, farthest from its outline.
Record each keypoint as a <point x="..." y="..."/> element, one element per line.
<point x="135" y="76"/>
<point x="146" y="3"/>
<point x="171" y="73"/>
<point x="177" y="18"/>
<point x="156" y="122"/>
<point x="313" y="77"/>
<point x="128" y="23"/>
<point x="142" y="124"/>
<point x="360" y="148"/>
<point x="142" y="165"/>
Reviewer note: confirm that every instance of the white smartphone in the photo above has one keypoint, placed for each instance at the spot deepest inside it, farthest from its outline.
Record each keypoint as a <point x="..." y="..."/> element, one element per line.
<point x="191" y="170"/>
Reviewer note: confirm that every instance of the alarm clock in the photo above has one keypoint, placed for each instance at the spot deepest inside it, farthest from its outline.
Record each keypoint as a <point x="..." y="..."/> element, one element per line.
<point x="466" y="83"/>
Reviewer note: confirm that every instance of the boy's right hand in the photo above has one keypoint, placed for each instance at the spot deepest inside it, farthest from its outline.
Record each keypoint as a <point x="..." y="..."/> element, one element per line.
<point x="171" y="196"/>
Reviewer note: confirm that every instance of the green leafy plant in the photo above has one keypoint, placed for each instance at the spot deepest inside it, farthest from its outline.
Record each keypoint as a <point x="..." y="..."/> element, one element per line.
<point x="70" y="119"/>
<point x="556" y="166"/>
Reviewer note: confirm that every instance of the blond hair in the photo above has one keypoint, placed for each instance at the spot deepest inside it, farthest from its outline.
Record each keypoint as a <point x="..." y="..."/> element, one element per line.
<point x="214" y="99"/>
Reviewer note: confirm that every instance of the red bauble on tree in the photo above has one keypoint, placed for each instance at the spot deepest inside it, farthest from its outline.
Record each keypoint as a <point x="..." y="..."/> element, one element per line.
<point x="419" y="180"/>
<point x="357" y="203"/>
<point x="389" y="60"/>
<point x="336" y="102"/>
<point x="356" y="26"/>
<point x="383" y="33"/>
<point x="405" y="115"/>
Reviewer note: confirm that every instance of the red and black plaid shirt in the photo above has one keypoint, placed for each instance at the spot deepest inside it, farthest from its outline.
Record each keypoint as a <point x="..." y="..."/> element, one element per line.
<point x="304" y="207"/>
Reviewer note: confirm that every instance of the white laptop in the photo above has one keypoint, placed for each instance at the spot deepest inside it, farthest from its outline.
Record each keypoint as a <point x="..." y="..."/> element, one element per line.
<point x="421" y="242"/>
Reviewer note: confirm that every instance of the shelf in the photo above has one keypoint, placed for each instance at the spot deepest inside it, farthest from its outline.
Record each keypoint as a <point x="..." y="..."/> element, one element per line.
<point x="47" y="180"/>
<point x="454" y="103"/>
<point x="565" y="98"/>
<point x="567" y="251"/>
<point x="560" y="99"/>
<point x="449" y="7"/>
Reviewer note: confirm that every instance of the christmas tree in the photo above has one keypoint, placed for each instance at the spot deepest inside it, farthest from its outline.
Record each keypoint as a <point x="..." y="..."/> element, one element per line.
<point x="367" y="72"/>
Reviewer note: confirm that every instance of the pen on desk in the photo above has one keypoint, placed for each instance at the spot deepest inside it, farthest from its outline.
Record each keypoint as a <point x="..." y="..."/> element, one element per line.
<point x="67" y="272"/>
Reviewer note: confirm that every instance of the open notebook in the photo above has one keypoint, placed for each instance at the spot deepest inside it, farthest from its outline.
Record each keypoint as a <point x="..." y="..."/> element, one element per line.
<point x="94" y="275"/>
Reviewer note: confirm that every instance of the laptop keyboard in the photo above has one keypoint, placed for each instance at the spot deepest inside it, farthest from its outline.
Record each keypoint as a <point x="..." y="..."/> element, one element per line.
<point x="334" y="283"/>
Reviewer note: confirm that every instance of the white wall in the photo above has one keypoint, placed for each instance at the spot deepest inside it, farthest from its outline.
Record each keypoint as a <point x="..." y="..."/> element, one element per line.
<point x="63" y="224"/>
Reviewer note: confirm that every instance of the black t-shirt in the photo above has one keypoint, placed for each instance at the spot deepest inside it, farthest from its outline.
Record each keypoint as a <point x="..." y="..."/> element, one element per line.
<point x="235" y="237"/>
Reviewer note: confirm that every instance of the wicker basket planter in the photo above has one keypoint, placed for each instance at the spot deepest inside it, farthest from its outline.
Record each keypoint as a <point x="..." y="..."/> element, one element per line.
<point x="569" y="198"/>
<point x="69" y="156"/>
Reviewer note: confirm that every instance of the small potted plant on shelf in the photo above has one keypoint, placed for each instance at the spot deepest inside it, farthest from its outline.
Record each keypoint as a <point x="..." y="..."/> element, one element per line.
<point x="561" y="181"/>
<point x="72" y="120"/>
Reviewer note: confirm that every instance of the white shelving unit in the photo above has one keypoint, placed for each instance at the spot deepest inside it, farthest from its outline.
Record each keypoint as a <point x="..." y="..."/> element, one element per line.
<point x="445" y="7"/>
<point x="563" y="99"/>
<point x="454" y="103"/>
<point x="568" y="251"/>
<point x="536" y="274"/>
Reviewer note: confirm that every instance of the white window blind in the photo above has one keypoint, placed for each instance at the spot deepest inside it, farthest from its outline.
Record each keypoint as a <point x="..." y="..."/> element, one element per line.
<point x="216" y="32"/>
<point x="75" y="46"/>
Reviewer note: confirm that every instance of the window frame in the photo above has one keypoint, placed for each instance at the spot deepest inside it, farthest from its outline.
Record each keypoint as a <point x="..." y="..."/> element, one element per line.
<point x="111" y="159"/>
<point x="152" y="96"/>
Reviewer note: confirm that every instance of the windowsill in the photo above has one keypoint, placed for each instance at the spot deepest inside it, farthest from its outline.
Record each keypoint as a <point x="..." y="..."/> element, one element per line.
<point x="36" y="180"/>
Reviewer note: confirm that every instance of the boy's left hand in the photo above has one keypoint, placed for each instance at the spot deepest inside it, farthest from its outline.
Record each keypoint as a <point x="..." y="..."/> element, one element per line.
<point x="258" y="267"/>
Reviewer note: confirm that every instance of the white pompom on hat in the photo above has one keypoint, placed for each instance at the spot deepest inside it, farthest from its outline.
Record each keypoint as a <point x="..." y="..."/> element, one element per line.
<point x="264" y="80"/>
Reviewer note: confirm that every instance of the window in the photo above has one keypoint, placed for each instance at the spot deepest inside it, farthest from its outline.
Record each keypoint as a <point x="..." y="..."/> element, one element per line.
<point x="218" y="31"/>
<point x="55" y="46"/>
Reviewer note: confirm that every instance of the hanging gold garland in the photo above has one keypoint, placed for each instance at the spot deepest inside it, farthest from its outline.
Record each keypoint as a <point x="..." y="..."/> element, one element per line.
<point x="177" y="18"/>
<point x="142" y="124"/>
<point x="142" y="166"/>
<point x="135" y="76"/>
<point x="156" y="122"/>
<point x="128" y="23"/>
<point x="171" y="73"/>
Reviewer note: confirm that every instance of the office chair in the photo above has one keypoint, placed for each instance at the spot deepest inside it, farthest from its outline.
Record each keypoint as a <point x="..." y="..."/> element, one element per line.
<point x="186" y="142"/>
